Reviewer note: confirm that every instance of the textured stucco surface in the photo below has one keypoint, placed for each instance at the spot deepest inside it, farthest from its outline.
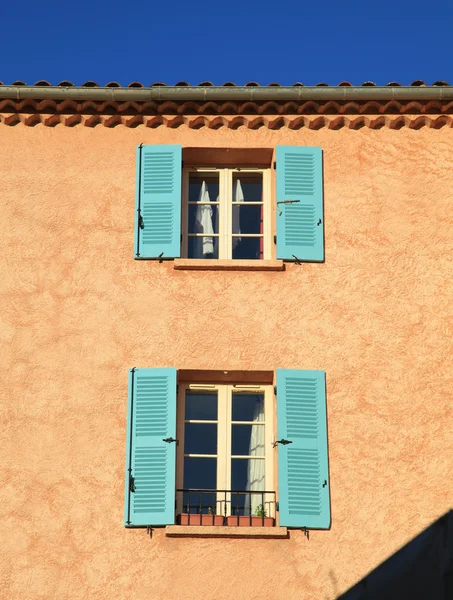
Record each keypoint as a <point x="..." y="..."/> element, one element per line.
<point x="77" y="311"/>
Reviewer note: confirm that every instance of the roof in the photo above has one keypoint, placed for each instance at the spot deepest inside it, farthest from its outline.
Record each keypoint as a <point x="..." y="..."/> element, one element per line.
<point x="252" y="106"/>
<point x="137" y="84"/>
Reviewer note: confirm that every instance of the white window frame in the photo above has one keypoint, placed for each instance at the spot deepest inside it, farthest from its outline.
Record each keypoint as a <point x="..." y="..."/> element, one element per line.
<point x="226" y="209"/>
<point x="224" y="423"/>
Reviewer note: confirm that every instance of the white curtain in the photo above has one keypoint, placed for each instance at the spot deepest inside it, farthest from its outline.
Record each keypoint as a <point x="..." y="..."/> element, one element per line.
<point x="203" y="224"/>
<point x="255" y="474"/>
<point x="238" y="196"/>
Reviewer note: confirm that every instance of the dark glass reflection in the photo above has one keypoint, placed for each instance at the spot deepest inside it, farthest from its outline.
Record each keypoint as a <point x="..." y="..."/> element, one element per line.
<point x="201" y="406"/>
<point x="248" y="407"/>
<point x="200" y="438"/>
<point x="200" y="473"/>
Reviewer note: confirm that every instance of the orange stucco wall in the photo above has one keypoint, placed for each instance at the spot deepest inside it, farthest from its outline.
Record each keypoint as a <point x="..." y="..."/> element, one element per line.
<point x="77" y="311"/>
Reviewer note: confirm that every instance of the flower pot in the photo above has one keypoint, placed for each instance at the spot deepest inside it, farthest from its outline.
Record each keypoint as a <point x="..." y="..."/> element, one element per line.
<point x="250" y="521"/>
<point x="200" y="519"/>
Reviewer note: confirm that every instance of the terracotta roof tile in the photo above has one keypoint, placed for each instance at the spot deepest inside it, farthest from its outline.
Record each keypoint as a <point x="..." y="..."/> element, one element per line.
<point x="88" y="84"/>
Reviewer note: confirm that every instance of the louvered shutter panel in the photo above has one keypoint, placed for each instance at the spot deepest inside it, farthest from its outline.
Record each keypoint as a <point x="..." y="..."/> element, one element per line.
<point x="300" y="225"/>
<point x="158" y="202"/>
<point x="303" y="478"/>
<point x="150" y="462"/>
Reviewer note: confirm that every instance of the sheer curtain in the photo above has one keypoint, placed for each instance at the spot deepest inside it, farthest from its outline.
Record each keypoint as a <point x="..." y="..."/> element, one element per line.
<point x="255" y="474"/>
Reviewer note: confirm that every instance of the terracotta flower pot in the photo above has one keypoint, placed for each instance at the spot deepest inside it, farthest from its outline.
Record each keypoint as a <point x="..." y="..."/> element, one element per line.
<point x="183" y="519"/>
<point x="250" y="521"/>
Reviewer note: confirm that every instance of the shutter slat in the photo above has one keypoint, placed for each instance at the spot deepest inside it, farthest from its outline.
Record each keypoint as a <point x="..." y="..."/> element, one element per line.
<point x="151" y="461"/>
<point x="303" y="464"/>
<point x="300" y="228"/>
<point x="158" y="201"/>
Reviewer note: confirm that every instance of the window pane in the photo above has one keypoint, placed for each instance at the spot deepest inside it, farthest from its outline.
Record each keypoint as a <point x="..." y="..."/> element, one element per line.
<point x="200" y="473"/>
<point x="203" y="187"/>
<point x="247" y="440"/>
<point x="204" y="218"/>
<point x="200" y="438"/>
<point x="247" y="187"/>
<point x="203" y="247"/>
<point x="248" y="248"/>
<point x="201" y="406"/>
<point x="247" y="218"/>
<point x="247" y="407"/>
<point x="246" y="475"/>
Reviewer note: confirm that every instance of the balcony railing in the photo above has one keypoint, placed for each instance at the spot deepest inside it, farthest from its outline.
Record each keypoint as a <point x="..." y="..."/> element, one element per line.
<point x="243" y="508"/>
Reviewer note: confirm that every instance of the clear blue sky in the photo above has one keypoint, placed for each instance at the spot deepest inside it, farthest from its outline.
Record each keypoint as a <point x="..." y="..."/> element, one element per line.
<point x="170" y="41"/>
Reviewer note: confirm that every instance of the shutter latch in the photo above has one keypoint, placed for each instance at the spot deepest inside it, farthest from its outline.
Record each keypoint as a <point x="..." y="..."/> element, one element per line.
<point x="131" y="483"/>
<point x="282" y="442"/>
<point x="325" y="483"/>
<point x="285" y="202"/>
<point x="170" y="440"/>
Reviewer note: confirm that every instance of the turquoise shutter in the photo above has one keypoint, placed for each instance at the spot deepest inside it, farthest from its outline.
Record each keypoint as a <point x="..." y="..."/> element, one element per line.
<point x="151" y="462"/>
<point x="300" y="224"/>
<point x="158" y="202"/>
<point x="303" y="477"/>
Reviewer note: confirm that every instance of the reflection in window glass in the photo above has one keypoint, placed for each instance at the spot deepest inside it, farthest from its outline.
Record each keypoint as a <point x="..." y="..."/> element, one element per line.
<point x="201" y="406"/>
<point x="247" y="407"/>
<point x="200" y="438"/>
<point x="247" y="440"/>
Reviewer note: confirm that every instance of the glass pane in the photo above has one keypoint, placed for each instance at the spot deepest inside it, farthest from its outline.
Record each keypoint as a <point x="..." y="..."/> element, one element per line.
<point x="247" y="407"/>
<point x="203" y="247"/>
<point x="247" y="187"/>
<point x="247" y="440"/>
<point x="203" y="187"/>
<point x="248" y="248"/>
<point x="247" y="219"/>
<point x="200" y="438"/>
<point x="200" y="473"/>
<point x="204" y="218"/>
<point x="201" y="406"/>
<point x="246" y="475"/>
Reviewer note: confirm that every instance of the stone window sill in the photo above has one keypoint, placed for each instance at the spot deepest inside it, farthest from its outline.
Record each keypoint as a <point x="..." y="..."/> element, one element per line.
<point x="201" y="264"/>
<point x="222" y="531"/>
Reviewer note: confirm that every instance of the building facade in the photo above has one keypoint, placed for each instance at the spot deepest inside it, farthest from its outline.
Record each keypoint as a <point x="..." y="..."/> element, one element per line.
<point x="278" y="260"/>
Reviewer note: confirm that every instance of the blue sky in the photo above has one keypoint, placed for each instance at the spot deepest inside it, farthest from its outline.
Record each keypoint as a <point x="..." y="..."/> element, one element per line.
<point x="310" y="42"/>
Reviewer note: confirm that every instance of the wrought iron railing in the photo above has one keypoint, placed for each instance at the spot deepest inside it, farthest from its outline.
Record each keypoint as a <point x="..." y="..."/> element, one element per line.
<point x="226" y="507"/>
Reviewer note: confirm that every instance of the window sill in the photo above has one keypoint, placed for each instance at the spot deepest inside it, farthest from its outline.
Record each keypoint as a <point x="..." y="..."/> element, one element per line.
<point x="202" y="264"/>
<point x="229" y="532"/>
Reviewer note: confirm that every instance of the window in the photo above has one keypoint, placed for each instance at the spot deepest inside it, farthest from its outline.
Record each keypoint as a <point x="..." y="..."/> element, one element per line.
<point x="225" y="435"/>
<point x="229" y="212"/>
<point x="219" y="437"/>
<point x="226" y="213"/>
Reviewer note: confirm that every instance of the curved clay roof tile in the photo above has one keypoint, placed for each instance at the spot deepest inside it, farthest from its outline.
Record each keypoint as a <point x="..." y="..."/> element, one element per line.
<point x="43" y="83"/>
<point x="65" y="84"/>
<point x="113" y="84"/>
<point x="418" y="83"/>
<point x="228" y="84"/>
<point x="182" y="84"/>
<point x="206" y="84"/>
<point x="135" y="84"/>
<point x="441" y="83"/>
<point x="90" y="84"/>
<point x="394" y="84"/>
<point x="252" y="84"/>
<point x="345" y="84"/>
<point x="368" y="84"/>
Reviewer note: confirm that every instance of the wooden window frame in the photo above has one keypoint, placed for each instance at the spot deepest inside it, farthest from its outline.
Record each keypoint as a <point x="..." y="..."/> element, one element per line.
<point x="224" y="428"/>
<point x="225" y="208"/>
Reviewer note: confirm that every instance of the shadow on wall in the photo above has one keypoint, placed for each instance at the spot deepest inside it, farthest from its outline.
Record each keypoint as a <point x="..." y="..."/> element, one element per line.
<point x="421" y="570"/>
